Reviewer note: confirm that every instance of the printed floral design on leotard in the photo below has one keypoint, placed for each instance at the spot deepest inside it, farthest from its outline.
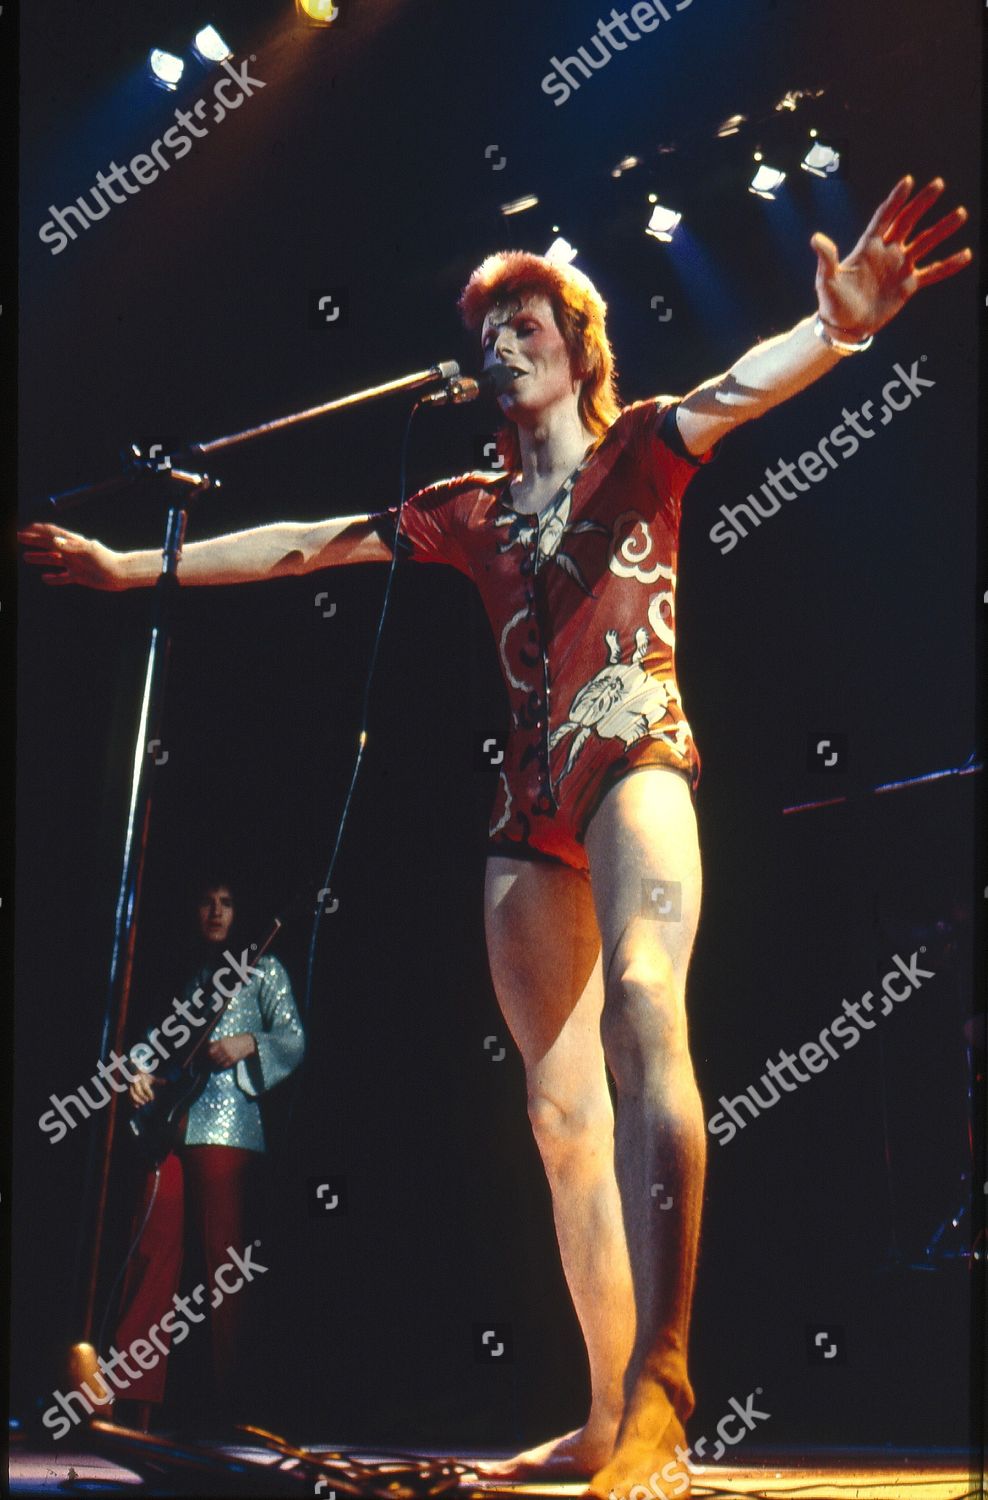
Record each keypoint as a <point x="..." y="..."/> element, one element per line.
<point x="551" y="526"/>
<point x="581" y="601"/>
<point x="629" y="552"/>
<point x="621" y="701"/>
<point x="632" y="544"/>
<point x="505" y="817"/>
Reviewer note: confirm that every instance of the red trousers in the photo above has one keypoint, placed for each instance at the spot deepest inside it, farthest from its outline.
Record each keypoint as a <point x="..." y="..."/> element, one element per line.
<point x="212" y="1184"/>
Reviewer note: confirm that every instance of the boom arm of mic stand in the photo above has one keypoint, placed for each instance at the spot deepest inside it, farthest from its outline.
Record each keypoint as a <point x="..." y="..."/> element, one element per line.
<point x="140" y="465"/>
<point x="447" y="371"/>
<point x="140" y="468"/>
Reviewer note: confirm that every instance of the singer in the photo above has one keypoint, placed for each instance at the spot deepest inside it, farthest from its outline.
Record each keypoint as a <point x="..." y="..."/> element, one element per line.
<point x="593" y="883"/>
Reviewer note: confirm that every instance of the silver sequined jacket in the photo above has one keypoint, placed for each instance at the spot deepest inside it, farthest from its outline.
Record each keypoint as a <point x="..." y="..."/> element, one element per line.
<point x="227" y="1112"/>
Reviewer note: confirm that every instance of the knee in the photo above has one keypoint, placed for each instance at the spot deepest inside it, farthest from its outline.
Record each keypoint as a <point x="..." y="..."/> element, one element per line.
<point x="643" y="1026"/>
<point x="577" y="1134"/>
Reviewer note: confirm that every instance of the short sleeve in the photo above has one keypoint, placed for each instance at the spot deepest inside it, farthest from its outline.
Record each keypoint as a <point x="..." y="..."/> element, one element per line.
<point x="430" y="529"/>
<point x="662" y="448"/>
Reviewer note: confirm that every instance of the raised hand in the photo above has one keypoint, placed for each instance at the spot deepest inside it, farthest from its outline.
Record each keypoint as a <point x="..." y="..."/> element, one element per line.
<point x="863" y="293"/>
<point x="80" y="560"/>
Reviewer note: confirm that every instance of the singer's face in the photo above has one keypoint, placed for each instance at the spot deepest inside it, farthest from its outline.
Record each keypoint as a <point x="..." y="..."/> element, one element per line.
<point x="215" y="910"/>
<point x="522" y="334"/>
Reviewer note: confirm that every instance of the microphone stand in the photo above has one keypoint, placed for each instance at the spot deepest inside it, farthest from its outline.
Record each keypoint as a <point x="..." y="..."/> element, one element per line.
<point x="166" y="469"/>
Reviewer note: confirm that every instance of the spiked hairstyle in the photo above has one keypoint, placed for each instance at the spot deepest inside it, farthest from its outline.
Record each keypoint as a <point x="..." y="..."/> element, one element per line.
<point x="580" y="313"/>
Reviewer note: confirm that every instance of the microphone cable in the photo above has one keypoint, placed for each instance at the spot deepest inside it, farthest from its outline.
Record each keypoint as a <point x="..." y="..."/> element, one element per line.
<point x="112" y="1293"/>
<point x="496" y="379"/>
<point x="319" y="910"/>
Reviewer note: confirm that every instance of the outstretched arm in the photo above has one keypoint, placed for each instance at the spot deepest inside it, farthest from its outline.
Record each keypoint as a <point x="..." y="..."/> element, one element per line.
<point x="855" y="297"/>
<point x="281" y="550"/>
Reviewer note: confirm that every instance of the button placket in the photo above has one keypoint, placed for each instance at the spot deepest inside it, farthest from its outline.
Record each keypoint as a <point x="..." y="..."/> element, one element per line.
<point x="543" y="721"/>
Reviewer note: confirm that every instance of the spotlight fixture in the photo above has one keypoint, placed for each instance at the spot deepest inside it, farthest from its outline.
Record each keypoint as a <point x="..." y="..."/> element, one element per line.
<point x="210" y="47"/>
<point x="766" y="182"/>
<point x="731" y="126"/>
<point x="166" y="68"/>
<point x="663" y="223"/>
<point x="519" y="205"/>
<point x="318" y="12"/>
<point x="626" y="164"/>
<point x="560" y="252"/>
<point x="822" y="160"/>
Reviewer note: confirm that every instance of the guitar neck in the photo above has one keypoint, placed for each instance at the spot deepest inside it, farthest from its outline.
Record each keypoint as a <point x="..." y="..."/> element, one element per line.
<point x="220" y="1010"/>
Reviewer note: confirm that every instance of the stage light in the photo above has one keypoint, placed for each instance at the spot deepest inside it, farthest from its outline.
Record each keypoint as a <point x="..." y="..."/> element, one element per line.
<point x="519" y="205"/>
<point x="318" y="12"/>
<point x="731" y="126"/>
<point x="766" y="182"/>
<point x="166" y="68"/>
<point x="792" y="99"/>
<point x="210" y="47"/>
<point x="663" y="223"/>
<point x="560" y="252"/>
<point x="821" y="160"/>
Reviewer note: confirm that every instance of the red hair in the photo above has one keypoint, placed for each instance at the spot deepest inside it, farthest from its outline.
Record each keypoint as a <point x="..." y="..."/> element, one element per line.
<point x="579" y="311"/>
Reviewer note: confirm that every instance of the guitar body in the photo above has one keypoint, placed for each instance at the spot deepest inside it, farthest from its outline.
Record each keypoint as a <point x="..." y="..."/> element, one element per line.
<point x="157" y="1127"/>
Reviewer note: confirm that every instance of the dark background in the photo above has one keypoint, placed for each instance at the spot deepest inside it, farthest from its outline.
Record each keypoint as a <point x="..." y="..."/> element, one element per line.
<point x="185" y="314"/>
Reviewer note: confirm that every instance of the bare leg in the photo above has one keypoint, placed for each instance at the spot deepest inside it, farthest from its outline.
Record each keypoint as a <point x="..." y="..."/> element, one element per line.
<point x="544" y="951"/>
<point x="645" y="872"/>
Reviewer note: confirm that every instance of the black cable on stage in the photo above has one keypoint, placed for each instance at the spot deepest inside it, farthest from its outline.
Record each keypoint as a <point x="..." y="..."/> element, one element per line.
<point x="127" y="1260"/>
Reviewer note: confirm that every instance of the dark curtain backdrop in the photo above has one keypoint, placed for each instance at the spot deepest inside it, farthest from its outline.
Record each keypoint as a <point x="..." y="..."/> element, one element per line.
<point x="363" y="166"/>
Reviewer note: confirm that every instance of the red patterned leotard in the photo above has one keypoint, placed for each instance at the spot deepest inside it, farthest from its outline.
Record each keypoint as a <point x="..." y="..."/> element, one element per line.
<point x="581" y="599"/>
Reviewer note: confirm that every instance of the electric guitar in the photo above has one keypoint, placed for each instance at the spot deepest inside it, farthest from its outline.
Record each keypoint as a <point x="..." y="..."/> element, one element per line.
<point x="159" y="1126"/>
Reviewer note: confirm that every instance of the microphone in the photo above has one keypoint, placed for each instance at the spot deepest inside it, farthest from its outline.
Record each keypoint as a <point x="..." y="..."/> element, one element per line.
<point x="460" y="388"/>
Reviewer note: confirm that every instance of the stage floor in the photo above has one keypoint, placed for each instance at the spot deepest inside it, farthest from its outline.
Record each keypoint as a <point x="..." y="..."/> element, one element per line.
<point x="861" y="1474"/>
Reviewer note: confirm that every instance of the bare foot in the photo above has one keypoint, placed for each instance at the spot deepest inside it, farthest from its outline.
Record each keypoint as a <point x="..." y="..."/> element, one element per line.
<point x="645" y="1464"/>
<point x="575" y="1455"/>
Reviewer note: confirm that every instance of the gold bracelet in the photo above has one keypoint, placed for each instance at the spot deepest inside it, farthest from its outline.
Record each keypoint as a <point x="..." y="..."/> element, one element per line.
<point x="839" y="347"/>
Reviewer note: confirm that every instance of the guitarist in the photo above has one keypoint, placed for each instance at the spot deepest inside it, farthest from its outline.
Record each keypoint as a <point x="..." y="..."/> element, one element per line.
<point x="208" y="1177"/>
